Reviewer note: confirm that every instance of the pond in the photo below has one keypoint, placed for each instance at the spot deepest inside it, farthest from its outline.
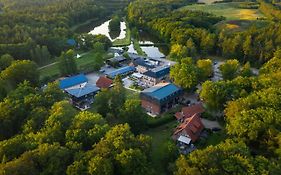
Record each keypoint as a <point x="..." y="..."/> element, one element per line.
<point x="146" y="40"/>
<point x="103" y="29"/>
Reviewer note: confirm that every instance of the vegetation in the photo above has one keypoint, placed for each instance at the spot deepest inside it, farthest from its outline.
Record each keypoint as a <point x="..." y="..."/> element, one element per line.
<point x="41" y="133"/>
<point x="26" y="24"/>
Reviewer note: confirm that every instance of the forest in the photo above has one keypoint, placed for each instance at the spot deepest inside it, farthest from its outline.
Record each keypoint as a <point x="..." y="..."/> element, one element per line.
<point x="194" y="32"/>
<point x="31" y="26"/>
<point x="42" y="133"/>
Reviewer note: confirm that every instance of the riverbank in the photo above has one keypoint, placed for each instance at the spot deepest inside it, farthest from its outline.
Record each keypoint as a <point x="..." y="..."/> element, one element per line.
<point x="125" y="41"/>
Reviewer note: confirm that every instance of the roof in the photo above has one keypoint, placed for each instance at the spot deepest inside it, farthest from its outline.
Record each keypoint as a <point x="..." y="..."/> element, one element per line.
<point x="158" y="72"/>
<point x="144" y="63"/>
<point x="83" y="90"/>
<point x="73" y="81"/>
<point x="190" y="111"/>
<point x="161" y="91"/>
<point x="192" y="126"/>
<point x="184" y="139"/>
<point x="117" y="59"/>
<point x="104" y="82"/>
<point x="121" y="71"/>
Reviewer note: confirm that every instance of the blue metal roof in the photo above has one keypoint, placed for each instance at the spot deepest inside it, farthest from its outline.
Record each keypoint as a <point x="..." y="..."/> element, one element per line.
<point x="161" y="91"/>
<point x="121" y="71"/>
<point x="82" y="91"/>
<point x="158" y="72"/>
<point x="72" y="81"/>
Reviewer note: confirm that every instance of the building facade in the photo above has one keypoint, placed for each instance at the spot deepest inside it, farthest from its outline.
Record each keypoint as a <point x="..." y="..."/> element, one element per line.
<point x="160" y="98"/>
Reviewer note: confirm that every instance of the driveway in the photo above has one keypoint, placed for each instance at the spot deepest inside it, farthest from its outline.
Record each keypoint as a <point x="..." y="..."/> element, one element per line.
<point x="210" y="124"/>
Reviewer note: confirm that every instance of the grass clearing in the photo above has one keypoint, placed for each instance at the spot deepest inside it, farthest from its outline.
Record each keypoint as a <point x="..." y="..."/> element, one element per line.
<point x="88" y="58"/>
<point x="160" y="136"/>
<point x="230" y="11"/>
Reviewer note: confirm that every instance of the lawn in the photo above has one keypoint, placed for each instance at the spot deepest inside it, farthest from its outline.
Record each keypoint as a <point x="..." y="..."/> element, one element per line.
<point x="230" y="11"/>
<point x="160" y="136"/>
<point x="88" y="58"/>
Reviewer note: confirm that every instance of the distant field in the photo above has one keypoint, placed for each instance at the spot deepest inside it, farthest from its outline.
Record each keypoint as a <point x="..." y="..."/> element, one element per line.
<point x="229" y="10"/>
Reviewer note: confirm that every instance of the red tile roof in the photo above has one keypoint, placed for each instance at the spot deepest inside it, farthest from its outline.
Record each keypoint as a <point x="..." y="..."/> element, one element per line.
<point x="190" y="111"/>
<point x="104" y="82"/>
<point x="191" y="126"/>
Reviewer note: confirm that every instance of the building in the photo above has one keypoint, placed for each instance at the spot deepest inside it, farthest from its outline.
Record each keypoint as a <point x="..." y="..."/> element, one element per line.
<point x="122" y="71"/>
<point x="189" y="111"/>
<point x="81" y="93"/>
<point x="160" y="98"/>
<point x="156" y="75"/>
<point x="189" y="130"/>
<point x="116" y="61"/>
<point x="73" y="81"/>
<point x="83" y="96"/>
<point x="104" y="82"/>
<point x="143" y="65"/>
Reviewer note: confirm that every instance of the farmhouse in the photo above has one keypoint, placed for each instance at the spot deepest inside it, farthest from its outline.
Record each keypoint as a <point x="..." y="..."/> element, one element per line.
<point x="189" y="130"/>
<point x="156" y="75"/>
<point x="189" y="111"/>
<point x="160" y="98"/>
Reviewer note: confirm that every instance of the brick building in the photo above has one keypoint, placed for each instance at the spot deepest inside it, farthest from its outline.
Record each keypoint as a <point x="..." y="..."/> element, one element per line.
<point x="160" y="97"/>
<point x="156" y="75"/>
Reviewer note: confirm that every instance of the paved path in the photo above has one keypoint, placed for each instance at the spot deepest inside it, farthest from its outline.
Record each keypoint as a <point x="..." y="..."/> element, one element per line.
<point x="48" y="65"/>
<point x="210" y="124"/>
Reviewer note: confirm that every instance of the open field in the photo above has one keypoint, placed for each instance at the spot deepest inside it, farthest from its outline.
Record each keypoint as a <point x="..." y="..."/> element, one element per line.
<point x="230" y="11"/>
<point x="88" y="58"/>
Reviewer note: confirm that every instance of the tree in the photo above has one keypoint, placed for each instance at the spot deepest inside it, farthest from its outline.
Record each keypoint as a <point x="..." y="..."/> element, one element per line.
<point x="114" y="24"/>
<point x="86" y="128"/>
<point x="229" y="157"/>
<point x="191" y="48"/>
<point x="255" y="118"/>
<point x="230" y="69"/>
<point x="205" y="69"/>
<point x="131" y="161"/>
<point x="67" y="63"/>
<point x="100" y="166"/>
<point x="40" y="55"/>
<point x="179" y="52"/>
<point x="246" y="70"/>
<point x="46" y="159"/>
<point x="184" y="74"/>
<point x="5" y="61"/>
<point x="133" y="114"/>
<point x="19" y="72"/>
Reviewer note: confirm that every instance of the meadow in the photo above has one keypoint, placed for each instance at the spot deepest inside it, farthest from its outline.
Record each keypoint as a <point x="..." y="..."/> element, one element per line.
<point x="231" y="11"/>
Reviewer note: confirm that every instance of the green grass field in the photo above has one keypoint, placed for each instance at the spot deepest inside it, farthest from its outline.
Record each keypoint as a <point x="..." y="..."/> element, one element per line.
<point x="230" y="11"/>
<point x="88" y="58"/>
